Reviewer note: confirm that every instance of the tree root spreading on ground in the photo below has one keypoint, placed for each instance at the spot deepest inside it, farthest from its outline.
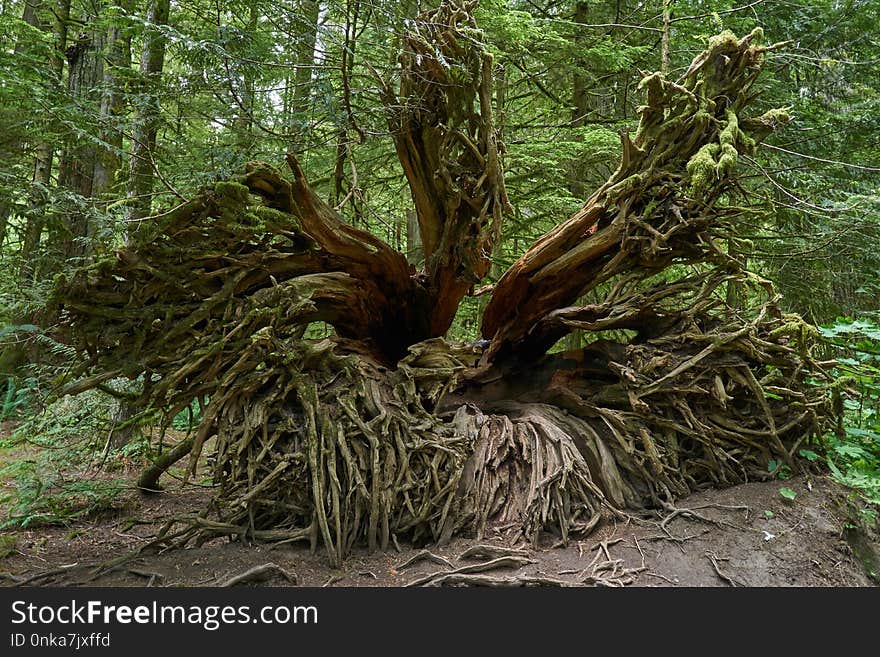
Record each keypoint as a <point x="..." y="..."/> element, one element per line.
<point x="260" y="575"/>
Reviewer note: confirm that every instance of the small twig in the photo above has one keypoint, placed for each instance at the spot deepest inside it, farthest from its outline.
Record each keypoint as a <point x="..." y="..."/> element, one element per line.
<point x="147" y="574"/>
<point x="603" y="546"/>
<point x="659" y="576"/>
<point x="639" y="547"/>
<point x="729" y="507"/>
<point x="691" y="513"/>
<point x="596" y="546"/>
<point x="675" y="539"/>
<point x="47" y="574"/>
<point x="619" y="574"/>
<point x="714" y="559"/>
<point x="687" y="513"/>
<point x="333" y="579"/>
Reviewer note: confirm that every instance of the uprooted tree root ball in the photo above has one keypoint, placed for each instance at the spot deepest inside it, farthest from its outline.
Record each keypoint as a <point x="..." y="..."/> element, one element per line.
<point x="329" y="447"/>
<point x="385" y="431"/>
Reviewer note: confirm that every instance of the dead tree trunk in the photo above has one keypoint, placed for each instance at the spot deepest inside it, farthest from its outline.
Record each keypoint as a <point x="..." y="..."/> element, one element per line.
<point x="386" y="430"/>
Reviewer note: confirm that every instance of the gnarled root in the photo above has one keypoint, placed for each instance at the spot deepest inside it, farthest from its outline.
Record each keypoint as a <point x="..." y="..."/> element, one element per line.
<point x="330" y="447"/>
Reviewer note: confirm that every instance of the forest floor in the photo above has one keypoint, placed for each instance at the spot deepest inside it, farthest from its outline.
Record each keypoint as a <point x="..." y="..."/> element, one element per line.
<point x="745" y="535"/>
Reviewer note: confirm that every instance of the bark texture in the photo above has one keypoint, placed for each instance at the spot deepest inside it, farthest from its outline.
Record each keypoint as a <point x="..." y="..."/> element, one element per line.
<point x="147" y="116"/>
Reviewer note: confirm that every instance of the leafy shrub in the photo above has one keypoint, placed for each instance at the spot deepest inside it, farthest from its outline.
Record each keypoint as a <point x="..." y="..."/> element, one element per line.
<point x="188" y="419"/>
<point x="58" y="462"/>
<point x="13" y="401"/>
<point x="853" y="454"/>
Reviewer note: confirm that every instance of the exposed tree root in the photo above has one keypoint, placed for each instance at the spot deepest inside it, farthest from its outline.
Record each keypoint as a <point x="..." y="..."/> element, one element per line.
<point x="492" y="552"/>
<point x="425" y="555"/>
<point x="385" y="431"/>
<point x="515" y="581"/>
<point x="714" y="559"/>
<point x="482" y="567"/>
<point x="260" y="574"/>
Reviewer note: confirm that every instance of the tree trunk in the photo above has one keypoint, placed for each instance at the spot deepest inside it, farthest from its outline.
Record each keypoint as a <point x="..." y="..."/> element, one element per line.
<point x="243" y="125"/>
<point x="29" y="17"/>
<point x="664" y="37"/>
<point x="580" y="106"/>
<point x="444" y="132"/>
<point x="637" y="222"/>
<point x="45" y="153"/>
<point x="303" y="47"/>
<point x="415" y="255"/>
<point x="81" y="159"/>
<point x="147" y="117"/>
<point x="117" y="67"/>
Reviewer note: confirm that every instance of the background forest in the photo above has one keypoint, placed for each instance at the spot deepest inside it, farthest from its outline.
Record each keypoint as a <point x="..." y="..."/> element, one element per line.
<point x="114" y="113"/>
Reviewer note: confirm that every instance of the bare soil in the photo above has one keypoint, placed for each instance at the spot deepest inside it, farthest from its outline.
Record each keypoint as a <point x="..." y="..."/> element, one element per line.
<point x="746" y="535"/>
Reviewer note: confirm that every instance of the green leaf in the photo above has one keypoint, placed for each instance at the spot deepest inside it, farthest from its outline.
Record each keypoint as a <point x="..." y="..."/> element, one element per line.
<point x="809" y="454"/>
<point x="851" y="450"/>
<point x="788" y="494"/>
<point x="834" y="469"/>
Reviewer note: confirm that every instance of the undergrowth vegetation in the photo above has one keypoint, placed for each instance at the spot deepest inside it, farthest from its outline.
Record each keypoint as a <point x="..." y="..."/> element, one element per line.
<point x="59" y="464"/>
<point x="853" y="452"/>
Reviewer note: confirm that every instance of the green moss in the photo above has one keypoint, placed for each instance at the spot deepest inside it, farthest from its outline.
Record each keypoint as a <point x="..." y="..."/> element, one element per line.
<point x="747" y="145"/>
<point x="744" y="244"/>
<point x="728" y="138"/>
<point x="844" y="382"/>
<point x="775" y="117"/>
<point x="794" y="326"/>
<point x="802" y="333"/>
<point x="272" y="218"/>
<point x="232" y="194"/>
<point x="7" y="546"/>
<point x="735" y="140"/>
<point x="702" y="166"/>
<point x="652" y="205"/>
<point x="700" y="121"/>
<point x="625" y="186"/>
<point x="656" y="93"/>
<point x="232" y="199"/>
<point x="652" y="81"/>
<point x="724" y="40"/>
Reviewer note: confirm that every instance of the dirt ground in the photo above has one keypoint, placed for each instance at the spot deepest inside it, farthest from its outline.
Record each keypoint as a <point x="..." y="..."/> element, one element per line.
<point x="747" y="535"/>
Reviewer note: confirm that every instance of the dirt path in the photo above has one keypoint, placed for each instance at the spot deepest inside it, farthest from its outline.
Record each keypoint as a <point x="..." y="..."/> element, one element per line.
<point x="747" y="535"/>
